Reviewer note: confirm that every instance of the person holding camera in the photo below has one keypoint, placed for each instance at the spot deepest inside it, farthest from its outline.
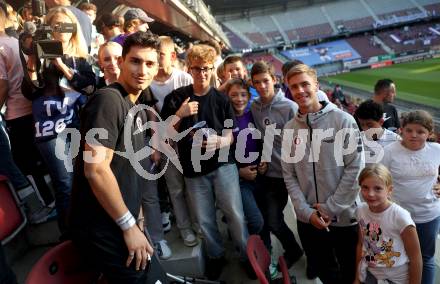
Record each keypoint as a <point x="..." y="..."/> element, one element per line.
<point x="65" y="83"/>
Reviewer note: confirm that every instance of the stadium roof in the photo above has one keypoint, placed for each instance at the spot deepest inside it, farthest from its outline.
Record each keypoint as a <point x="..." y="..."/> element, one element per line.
<point x="232" y="6"/>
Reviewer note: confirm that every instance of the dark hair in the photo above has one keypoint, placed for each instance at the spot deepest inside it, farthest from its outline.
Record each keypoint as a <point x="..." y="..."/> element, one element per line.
<point x="108" y="20"/>
<point x="142" y="39"/>
<point x="289" y="64"/>
<point x="382" y="84"/>
<point x="232" y="59"/>
<point x="236" y="82"/>
<point x="369" y="110"/>
<point x="262" y="67"/>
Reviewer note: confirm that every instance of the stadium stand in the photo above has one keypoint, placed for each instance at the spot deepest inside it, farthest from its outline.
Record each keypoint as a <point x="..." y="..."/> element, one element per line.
<point x="410" y="38"/>
<point x="325" y="20"/>
<point x="365" y="46"/>
<point x="314" y="32"/>
<point x="277" y="64"/>
<point x="380" y="7"/>
<point x="235" y="40"/>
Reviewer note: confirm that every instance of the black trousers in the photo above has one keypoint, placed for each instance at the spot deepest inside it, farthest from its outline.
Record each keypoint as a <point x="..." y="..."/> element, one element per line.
<point x="332" y="254"/>
<point x="26" y="155"/>
<point x="105" y="251"/>
<point x="272" y="200"/>
<point x="7" y="276"/>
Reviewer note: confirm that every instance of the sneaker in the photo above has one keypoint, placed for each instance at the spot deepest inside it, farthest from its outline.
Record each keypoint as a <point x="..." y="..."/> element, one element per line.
<point x="166" y="223"/>
<point x="273" y="267"/>
<point x="214" y="267"/>
<point x="189" y="239"/>
<point x="43" y="215"/>
<point x="162" y="249"/>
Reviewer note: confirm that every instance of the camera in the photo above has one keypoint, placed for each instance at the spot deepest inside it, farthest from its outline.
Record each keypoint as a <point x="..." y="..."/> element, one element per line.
<point x="37" y="38"/>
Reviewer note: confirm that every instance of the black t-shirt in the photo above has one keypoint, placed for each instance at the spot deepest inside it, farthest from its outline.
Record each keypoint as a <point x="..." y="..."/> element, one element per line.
<point x="214" y="108"/>
<point x="391" y="118"/>
<point x="108" y="108"/>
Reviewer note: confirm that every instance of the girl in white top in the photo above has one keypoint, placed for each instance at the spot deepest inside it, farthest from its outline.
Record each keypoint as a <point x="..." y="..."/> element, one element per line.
<point x="414" y="165"/>
<point x="388" y="246"/>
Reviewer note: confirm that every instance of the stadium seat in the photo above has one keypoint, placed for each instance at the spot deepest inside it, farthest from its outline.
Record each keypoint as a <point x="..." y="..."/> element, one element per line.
<point x="62" y="264"/>
<point x="259" y="258"/>
<point x="12" y="217"/>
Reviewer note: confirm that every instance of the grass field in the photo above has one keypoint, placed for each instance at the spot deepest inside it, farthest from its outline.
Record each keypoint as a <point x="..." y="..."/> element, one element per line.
<point x="416" y="81"/>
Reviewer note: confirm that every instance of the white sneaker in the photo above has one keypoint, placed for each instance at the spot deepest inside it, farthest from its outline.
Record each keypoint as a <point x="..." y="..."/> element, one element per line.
<point x="189" y="239"/>
<point x="163" y="250"/>
<point x="273" y="267"/>
<point x="166" y="222"/>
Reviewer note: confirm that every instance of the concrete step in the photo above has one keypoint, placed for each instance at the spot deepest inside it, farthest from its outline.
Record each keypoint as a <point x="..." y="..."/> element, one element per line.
<point x="185" y="261"/>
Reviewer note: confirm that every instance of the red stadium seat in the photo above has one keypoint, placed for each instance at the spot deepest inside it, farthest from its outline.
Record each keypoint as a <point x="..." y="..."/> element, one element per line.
<point x="62" y="264"/>
<point x="259" y="258"/>
<point x="12" y="217"/>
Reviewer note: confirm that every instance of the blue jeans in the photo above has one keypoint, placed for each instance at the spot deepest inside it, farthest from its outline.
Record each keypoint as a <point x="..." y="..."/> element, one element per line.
<point x="252" y="213"/>
<point x="220" y="187"/>
<point x="427" y="236"/>
<point x="7" y="164"/>
<point x="151" y="207"/>
<point x="61" y="178"/>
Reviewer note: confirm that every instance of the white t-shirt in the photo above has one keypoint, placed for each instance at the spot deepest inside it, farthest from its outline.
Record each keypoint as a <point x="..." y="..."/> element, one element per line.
<point x="374" y="149"/>
<point x="383" y="251"/>
<point x="414" y="175"/>
<point x="161" y="89"/>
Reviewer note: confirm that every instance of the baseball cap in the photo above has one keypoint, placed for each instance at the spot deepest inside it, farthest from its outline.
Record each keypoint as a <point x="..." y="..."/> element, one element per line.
<point x="137" y="13"/>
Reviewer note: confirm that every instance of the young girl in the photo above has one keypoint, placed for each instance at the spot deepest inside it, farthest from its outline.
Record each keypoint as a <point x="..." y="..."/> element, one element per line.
<point x="414" y="163"/>
<point x="388" y="247"/>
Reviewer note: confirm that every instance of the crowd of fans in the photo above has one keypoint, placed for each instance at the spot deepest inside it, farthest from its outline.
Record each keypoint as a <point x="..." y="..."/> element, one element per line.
<point x="104" y="205"/>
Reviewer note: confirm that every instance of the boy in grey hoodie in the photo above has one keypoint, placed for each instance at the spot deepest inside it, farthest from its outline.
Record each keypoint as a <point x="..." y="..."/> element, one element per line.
<point x="321" y="161"/>
<point x="271" y="111"/>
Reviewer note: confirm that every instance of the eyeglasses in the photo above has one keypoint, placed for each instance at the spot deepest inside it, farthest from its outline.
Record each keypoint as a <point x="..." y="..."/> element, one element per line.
<point x="200" y="70"/>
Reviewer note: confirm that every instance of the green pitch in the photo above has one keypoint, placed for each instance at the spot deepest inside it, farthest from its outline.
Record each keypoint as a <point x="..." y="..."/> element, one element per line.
<point x="416" y="81"/>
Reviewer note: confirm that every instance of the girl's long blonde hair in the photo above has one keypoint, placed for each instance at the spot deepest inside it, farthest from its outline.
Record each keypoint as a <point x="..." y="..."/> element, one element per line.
<point x="77" y="46"/>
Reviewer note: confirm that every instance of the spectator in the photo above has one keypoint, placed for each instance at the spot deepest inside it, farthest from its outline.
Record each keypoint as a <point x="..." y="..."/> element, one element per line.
<point x="108" y="56"/>
<point x="414" y="164"/>
<point x="97" y="39"/>
<point x="384" y="94"/>
<point x="82" y="19"/>
<point x="106" y="198"/>
<point x="339" y="95"/>
<point x="388" y="247"/>
<point x="210" y="183"/>
<point x="238" y="92"/>
<point x="167" y="80"/>
<point x="234" y="68"/>
<point x="135" y="19"/>
<point x="270" y="112"/>
<point x="66" y="82"/>
<point x="110" y="26"/>
<point x="19" y="122"/>
<point x="322" y="185"/>
<point x="322" y="96"/>
<point x="370" y="118"/>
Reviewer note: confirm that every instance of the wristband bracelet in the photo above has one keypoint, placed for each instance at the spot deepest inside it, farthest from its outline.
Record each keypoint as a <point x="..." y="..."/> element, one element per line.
<point x="126" y="221"/>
